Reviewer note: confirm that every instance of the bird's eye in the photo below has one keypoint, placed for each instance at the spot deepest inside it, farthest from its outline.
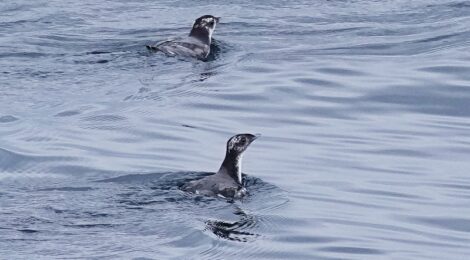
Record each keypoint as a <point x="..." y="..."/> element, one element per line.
<point x="242" y="141"/>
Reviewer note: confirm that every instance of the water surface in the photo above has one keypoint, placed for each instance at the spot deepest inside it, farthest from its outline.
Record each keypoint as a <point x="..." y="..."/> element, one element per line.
<point x="363" y="107"/>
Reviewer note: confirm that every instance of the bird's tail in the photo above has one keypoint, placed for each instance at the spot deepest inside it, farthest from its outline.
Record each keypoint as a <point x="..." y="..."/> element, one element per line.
<point x="151" y="48"/>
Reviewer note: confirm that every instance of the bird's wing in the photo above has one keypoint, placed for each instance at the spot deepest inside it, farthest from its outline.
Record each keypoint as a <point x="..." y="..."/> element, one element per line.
<point x="181" y="48"/>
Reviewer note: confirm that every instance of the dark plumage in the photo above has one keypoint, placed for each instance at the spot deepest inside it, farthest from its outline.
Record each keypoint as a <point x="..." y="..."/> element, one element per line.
<point x="195" y="45"/>
<point x="227" y="182"/>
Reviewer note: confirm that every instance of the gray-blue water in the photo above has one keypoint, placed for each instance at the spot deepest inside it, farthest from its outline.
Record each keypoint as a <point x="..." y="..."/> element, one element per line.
<point x="364" y="107"/>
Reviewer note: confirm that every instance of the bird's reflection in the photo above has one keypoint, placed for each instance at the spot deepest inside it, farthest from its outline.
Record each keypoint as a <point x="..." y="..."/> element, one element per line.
<point x="235" y="231"/>
<point x="170" y="78"/>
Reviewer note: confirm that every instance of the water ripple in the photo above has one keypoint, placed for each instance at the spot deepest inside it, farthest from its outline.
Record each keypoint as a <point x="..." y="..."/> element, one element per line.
<point x="362" y="106"/>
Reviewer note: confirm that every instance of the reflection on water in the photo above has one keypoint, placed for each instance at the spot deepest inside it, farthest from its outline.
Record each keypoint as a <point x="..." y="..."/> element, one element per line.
<point x="362" y="106"/>
<point x="234" y="230"/>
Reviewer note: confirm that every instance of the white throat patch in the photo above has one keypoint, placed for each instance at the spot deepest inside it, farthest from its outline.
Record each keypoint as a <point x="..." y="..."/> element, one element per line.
<point x="239" y="168"/>
<point x="211" y="30"/>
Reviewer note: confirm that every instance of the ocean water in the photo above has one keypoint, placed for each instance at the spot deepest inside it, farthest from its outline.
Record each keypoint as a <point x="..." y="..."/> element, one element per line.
<point x="364" y="108"/>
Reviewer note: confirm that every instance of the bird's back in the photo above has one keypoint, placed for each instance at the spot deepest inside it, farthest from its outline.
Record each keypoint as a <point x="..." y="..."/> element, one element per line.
<point x="185" y="47"/>
<point x="215" y="185"/>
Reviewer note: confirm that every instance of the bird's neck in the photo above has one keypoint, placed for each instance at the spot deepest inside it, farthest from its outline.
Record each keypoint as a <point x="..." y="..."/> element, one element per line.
<point x="232" y="165"/>
<point x="201" y="34"/>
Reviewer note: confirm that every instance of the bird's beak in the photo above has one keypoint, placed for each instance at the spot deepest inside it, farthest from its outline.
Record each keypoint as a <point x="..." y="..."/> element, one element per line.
<point x="256" y="136"/>
<point x="217" y="19"/>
